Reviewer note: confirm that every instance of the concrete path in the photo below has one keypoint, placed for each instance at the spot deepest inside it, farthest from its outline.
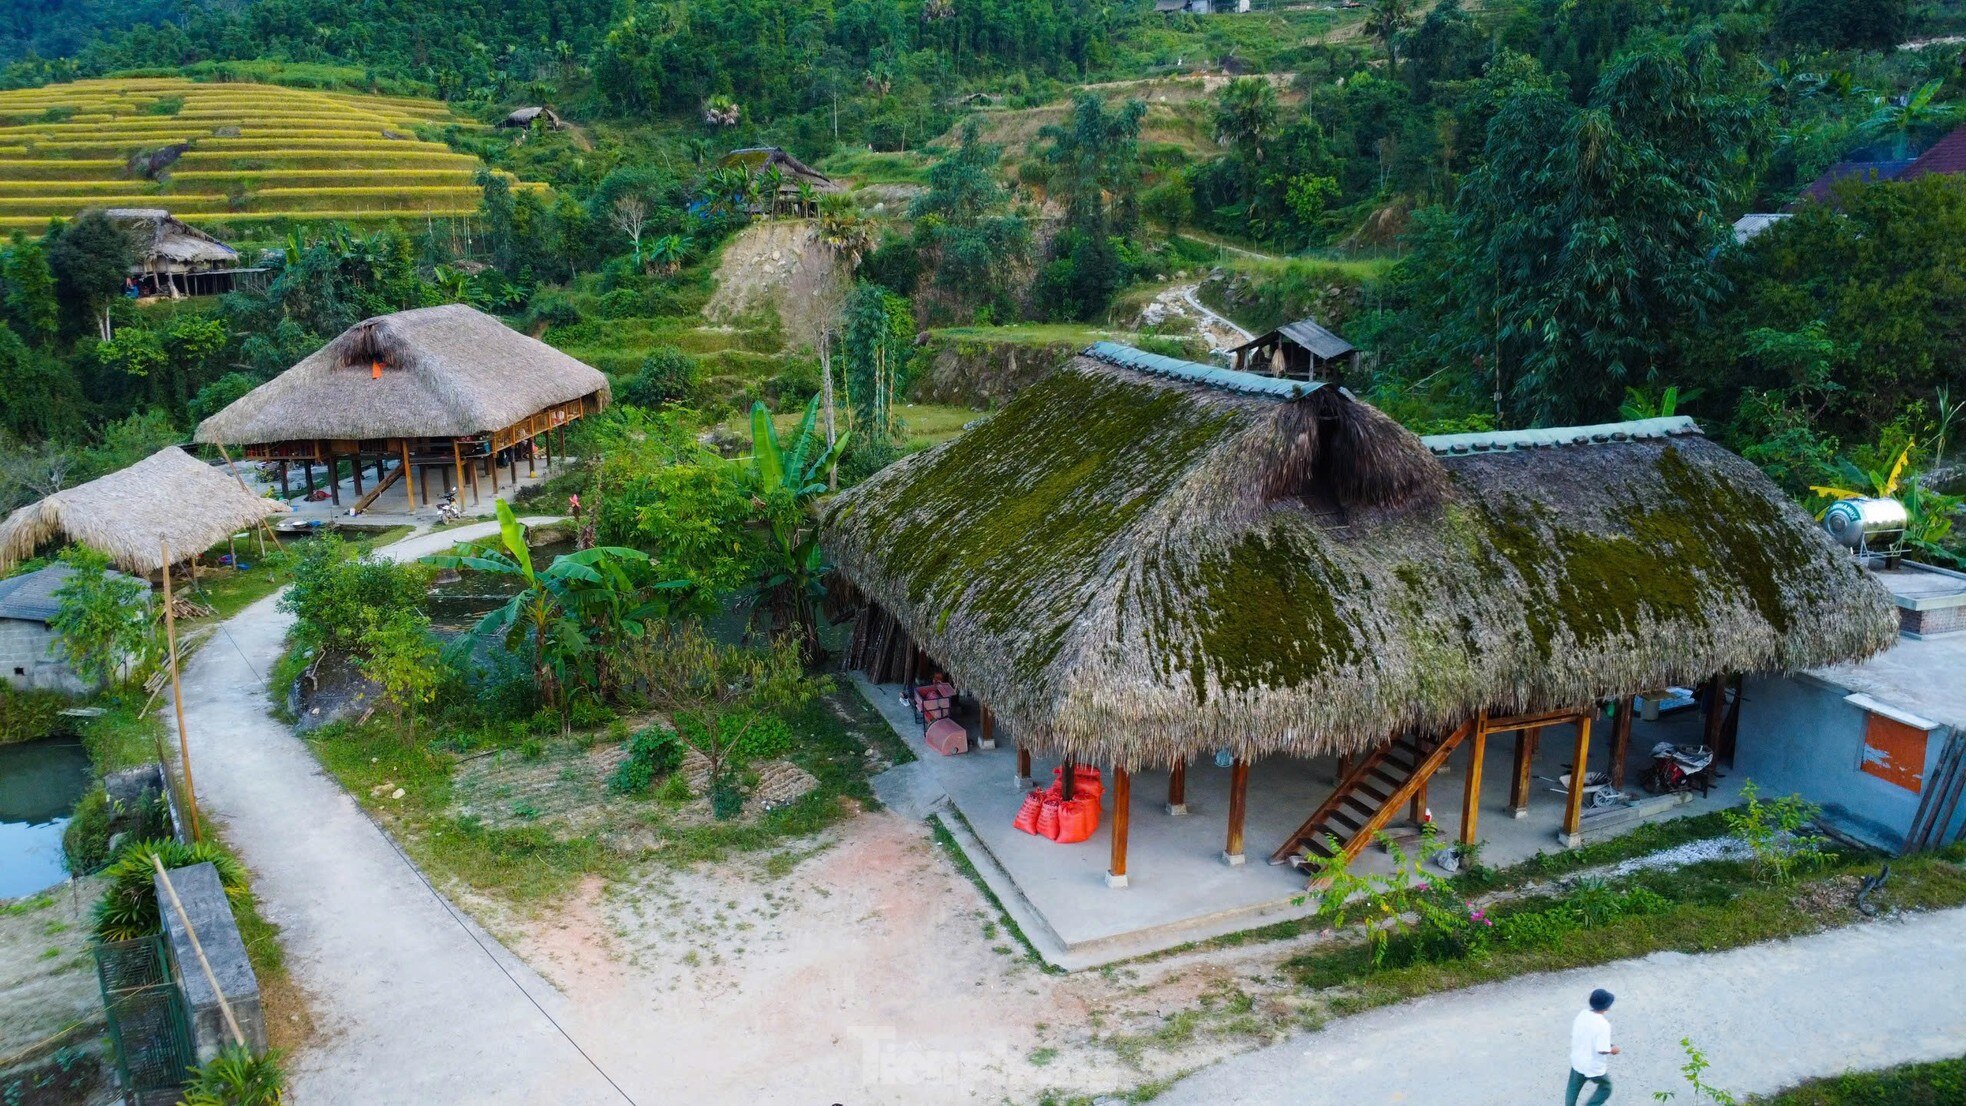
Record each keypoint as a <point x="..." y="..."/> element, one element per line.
<point x="408" y="1004"/>
<point x="1768" y="1017"/>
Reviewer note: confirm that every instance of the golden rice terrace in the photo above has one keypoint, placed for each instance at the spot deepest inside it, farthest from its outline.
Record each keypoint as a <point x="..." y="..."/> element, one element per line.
<point x="232" y="153"/>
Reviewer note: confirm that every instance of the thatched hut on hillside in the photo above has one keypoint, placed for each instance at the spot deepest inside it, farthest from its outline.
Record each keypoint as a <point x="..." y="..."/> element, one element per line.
<point x="1141" y="561"/>
<point x="1303" y="350"/>
<point x="176" y="259"/>
<point x="527" y="116"/>
<point x="449" y="388"/>
<point x="793" y="174"/>
<point x="169" y="499"/>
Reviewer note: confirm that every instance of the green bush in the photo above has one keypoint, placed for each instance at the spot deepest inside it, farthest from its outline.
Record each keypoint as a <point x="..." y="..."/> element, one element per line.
<point x="85" y="840"/>
<point x="652" y="754"/>
<point x="128" y="909"/>
<point x="235" y="1077"/>
<point x="28" y="715"/>
<point x="1934" y="1084"/>
<point x="667" y="375"/>
<point x="335" y="589"/>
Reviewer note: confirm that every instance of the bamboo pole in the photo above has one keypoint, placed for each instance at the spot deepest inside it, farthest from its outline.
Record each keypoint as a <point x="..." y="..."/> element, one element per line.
<point x="198" y="949"/>
<point x="177" y="696"/>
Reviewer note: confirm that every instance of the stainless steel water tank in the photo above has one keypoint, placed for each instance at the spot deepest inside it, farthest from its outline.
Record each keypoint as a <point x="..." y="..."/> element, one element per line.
<point x="1856" y="523"/>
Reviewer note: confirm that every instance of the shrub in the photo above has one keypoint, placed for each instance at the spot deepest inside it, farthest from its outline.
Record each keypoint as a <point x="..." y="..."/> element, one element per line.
<point x="28" y="715"/>
<point x="667" y="375"/>
<point x="128" y="909"/>
<point x="652" y="754"/>
<point x="335" y="591"/>
<point x="1774" y="831"/>
<point x="235" y="1077"/>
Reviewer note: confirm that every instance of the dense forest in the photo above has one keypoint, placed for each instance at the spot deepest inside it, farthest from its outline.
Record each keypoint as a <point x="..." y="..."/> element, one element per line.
<point x="1522" y="212"/>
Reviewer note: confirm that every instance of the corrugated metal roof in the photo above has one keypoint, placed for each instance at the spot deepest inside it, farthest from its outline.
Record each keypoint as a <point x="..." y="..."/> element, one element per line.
<point x="1126" y="357"/>
<point x="1322" y="342"/>
<point x="1509" y="441"/>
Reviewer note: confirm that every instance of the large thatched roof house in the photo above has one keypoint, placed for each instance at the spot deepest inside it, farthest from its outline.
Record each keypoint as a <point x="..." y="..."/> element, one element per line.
<point x="793" y="174"/>
<point x="169" y="498"/>
<point x="1140" y="560"/>
<point x="436" y="387"/>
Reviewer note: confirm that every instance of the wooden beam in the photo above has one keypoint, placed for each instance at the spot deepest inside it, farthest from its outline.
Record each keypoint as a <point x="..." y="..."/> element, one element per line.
<point x="1525" y="753"/>
<point x="1580" y="761"/>
<point x="1177" y="788"/>
<point x="1471" y="788"/>
<point x="1417" y="812"/>
<point x="284" y="493"/>
<point x="1023" y="767"/>
<point x="1122" y="812"/>
<point x="986" y="724"/>
<point x="457" y="459"/>
<point x="1621" y="738"/>
<point x="472" y="472"/>
<point x="1238" y="807"/>
<point x="409" y="485"/>
<point x="309" y="469"/>
<point x="491" y="466"/>
<point x="1526" y="721"/>
<point x="355" y="467"/>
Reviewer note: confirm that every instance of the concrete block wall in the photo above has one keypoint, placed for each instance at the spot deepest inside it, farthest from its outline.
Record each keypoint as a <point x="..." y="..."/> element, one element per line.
<point x="204" y="901"/>
<point x="30" y="658"/>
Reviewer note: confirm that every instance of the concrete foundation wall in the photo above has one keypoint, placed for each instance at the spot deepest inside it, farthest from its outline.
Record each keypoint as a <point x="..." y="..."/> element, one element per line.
<point x="204" y="901"/>
<point x="30" y="658"/>
<point x="1798" y="735"/>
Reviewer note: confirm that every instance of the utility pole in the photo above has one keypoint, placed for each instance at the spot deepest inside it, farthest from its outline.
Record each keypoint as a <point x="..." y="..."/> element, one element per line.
<point x="177" y="695"/>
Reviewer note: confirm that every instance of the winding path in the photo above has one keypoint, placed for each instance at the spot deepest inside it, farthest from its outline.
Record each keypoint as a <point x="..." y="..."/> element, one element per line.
<point x="412" y="1003"/>
<point x="1767" y="1016"/>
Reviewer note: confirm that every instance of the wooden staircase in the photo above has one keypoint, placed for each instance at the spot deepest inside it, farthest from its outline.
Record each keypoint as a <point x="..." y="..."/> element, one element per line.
<point x="375" y="493"/>
<point x="1381" y="782"/>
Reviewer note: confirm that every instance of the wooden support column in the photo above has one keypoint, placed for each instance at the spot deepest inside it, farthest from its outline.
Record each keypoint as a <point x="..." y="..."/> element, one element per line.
<point x="334" y="480"/>
<point x="1621" y="739"/>
<point x="1573" y="806"/>
<point x="491" y="466"/>
<point x="308" y="468"/>
<point x="1471" y="788"/>
<point x="457" y="462"/>
<point x="1417" y="812"/>
<point x="1177" y="789"/>
<point x="1068" y="780"/>
<point x="1344" y="769"/>
<point x="1238" y="806"/>
<point x="1526" y="740"/>
<point x="284" y="493"/>
<point x="355" y="466"/>
<point x="532" y="457"/>
<point x="472" y="472"/>
<point x="408" y="487"/>
<point x="423" y="482"/>
<point x="1714" y="712"/>
<point x="1122" y="812"/>
<point x="1024" y="780"/>
<point x="986" y="725"/>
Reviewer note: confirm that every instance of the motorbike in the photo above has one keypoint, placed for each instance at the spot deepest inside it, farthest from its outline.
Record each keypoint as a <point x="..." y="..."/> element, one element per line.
<point x="450" y="510"/>
<point x="1678" y="768"/>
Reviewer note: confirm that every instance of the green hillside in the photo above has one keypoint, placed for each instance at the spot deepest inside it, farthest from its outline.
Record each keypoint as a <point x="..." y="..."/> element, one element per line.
<point x="257" y="153"/>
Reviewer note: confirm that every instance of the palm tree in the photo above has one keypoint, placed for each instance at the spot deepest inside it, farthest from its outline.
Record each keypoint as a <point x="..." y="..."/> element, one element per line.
<point x="1246" y="116"/>
<point x="770" y="181"/>
<point x="1385" y="22"/>
<point x="807" y="195"/>
<point x="669" y="251"/>
<point x="549" y="615"/>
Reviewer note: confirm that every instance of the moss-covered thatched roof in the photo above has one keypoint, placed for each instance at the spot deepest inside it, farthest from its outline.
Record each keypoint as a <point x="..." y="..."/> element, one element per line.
<point x="1130" y="565"/>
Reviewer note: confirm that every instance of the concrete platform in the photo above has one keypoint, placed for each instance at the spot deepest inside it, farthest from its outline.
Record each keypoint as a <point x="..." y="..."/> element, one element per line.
<point x="1179" y="890"/>
<point x="392" y="507"/>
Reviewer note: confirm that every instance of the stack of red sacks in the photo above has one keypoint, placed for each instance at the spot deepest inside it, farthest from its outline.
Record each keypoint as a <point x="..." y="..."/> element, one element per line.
<point x="1047" y="813"/>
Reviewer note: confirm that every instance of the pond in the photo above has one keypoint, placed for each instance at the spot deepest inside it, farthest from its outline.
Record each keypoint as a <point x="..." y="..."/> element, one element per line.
<point x="40" y="782"/>
<point x="457" y="605"/>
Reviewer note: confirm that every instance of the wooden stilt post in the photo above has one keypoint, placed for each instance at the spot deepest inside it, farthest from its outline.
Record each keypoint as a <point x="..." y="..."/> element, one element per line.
<point x="513" y="456"/>
<point x="1122" y="813"/>
<point x="1068" y="783"/>
<point x="1573" y="809"/>
<point x="1024" y="781"/>
<point x="310" y="479"/>
<point x="177" y="696"/>
<point x="532" y="457"/>
<point x="491" y="466"/>
<point x="1177" y="788"/>
<point x="1238" y="806"/>
<point x="1525" y="754"/>
<point x="1417" y="811"/>
<point x="1714" y="712"/>
<point x="334" y="479"/>
<point x="423" y="482"/>
<point x="1344" y="769"/>
<point x="1471" y="786"/>
<point x="284" y="493"/>
<point x="986" y="724"/>
<point x="457" y="461"/>
<point x="409" y="487"/>
<point x="471" y="470"/>
<point x="355" y="466"/>
<point x="1621" y="739"/>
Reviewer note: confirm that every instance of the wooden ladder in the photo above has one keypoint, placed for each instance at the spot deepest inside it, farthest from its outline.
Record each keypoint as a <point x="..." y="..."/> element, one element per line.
<point x="1370" y="794"/>
<point x="374" y="493"/>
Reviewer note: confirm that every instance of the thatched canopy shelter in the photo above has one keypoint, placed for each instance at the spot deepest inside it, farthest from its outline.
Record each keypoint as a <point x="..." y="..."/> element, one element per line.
<point x="169" y="496"/>
<point x="432" y="387"/>
<point x="1303" y="350"/>
<point x="527" y="116"/>
<point x="1139" y="564"/>
<point x="175" y="258"/>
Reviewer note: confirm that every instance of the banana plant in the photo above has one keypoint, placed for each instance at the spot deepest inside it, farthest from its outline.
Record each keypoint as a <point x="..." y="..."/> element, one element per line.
<point x="560" y="613"/>
<point x="1882" y="485"/>
<point x="786" y="483"/>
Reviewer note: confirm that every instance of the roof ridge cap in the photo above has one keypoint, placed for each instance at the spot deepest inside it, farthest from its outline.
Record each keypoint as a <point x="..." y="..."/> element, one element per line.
<point x="1507" y="441"/>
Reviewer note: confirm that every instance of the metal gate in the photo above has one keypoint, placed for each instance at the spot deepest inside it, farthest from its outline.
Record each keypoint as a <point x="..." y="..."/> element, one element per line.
<point x="147" y="1025"/>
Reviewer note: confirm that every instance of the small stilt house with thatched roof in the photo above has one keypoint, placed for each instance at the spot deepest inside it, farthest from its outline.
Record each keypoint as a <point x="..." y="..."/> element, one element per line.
<point x="447" y="388"/>
<point x="176" y="259"/>
<point x="796" y="179"/>
<point x="164" y="509"/>
<point x="1141" y="561"/>
<point x="1302" y="350"/>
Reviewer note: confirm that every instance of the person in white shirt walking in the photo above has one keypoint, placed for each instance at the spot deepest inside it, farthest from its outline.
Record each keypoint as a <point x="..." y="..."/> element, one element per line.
<point x="1591" y="1050"/>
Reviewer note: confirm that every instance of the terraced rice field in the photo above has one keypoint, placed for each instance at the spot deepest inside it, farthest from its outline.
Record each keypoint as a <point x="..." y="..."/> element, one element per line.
<point x="256" y="153"/>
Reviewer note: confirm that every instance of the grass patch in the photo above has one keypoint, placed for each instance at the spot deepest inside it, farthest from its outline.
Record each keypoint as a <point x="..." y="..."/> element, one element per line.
<point x="1028" y="334"/>
<point x="1937" y="1084"/>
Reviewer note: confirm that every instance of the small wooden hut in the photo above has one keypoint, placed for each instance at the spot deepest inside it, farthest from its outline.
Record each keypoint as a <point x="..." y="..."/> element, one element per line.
<point x="1215" y="563"/>
<point x="447" y="388"/>
<point x="176" y="259"/>
<point x="528" y="116"/>
<point x="793" y="173"/>
<point x="167" y="500"/>
<point x="1302" y="350"/>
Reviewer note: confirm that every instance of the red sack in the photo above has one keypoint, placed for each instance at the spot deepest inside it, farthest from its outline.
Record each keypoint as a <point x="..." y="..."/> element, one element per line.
<point x="1048" y="819"/>
<point x="1027" y="815"/>
<point x="1078" y="819"/>
<point x="1085" y="782"/>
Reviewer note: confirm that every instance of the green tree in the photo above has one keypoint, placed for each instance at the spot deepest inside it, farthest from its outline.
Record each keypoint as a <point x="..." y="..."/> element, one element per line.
<point x="877" y="331"/>
<point x="39" y="397"/>
<point x="963" y="226"/>
<point x="786" y="482"/>
<point x="398" y="653"/>
<point x="31" y="306"/>
<point x="90" y="259"/>
<point x="1387" y="20"/>
<point x="667" y="375"/>
<point x="102" y="619"/>
<point x="1903" y="120"/>
<point x="1247" y="118"/>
